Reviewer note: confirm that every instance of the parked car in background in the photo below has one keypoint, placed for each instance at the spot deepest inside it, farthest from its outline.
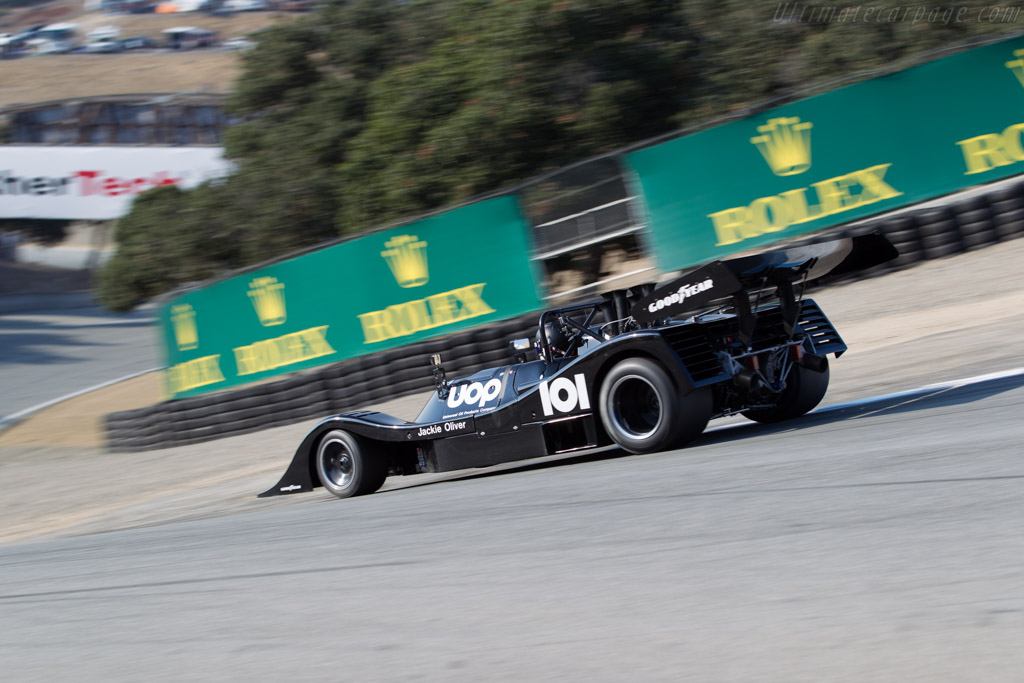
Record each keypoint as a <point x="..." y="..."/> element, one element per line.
<point x="189" y="37"/>
<point x="22" y="37"/>
<point x="239" y="43"/>
<point x="138" y="43"/>
<point x="103" y="39"/>
<point x="247" y="5"/>
<point x="127" y="6"/>
<point x="53" y="39"/>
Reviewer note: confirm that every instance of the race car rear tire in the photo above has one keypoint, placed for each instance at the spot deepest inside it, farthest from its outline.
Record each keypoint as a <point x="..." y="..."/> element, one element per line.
<point x="804" y="390"/>
<point x="643" y="412"/>
<point x="345" y="466"/>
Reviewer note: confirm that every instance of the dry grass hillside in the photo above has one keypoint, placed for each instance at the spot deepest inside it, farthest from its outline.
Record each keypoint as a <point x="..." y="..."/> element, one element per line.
<point x="49" y="77"/>
<point x="54" y="77"/>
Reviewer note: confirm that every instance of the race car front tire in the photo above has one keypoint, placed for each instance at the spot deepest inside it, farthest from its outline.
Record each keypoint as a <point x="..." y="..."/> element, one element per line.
<point x="643" y="412"/>
<point x="804" y="390"/>
<point x="345" y="466"/>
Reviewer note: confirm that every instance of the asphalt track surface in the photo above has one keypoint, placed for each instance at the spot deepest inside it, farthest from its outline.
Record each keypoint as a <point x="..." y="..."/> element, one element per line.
<point x="47" y="354"/>
<point x="881" y="541"/>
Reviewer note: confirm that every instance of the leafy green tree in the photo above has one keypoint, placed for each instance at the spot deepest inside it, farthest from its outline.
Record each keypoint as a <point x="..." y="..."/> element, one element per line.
<point x="368" y="111"/>
<point x="508" y="91"/>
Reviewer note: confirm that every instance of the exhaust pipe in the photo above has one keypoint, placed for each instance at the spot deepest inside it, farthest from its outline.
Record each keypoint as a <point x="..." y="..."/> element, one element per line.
<point x="749" y="382"/>
<point x="814" y="362"/>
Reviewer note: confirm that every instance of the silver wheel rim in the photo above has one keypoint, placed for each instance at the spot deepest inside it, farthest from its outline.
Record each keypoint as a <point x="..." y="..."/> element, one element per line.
<point x="337" y="464"/>
<point x="636" y="407"/>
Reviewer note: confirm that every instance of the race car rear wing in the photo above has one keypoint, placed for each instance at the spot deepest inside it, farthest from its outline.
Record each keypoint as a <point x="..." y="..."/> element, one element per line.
<point x="738" y="286"/>
<point x="768" y="275"/>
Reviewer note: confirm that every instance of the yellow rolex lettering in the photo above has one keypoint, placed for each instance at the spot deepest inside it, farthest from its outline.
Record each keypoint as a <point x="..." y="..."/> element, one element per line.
<point x="412" y="315"/>
<point x="834" y="194"/>
<point x="246" y="360"/>
<point x="443" y="308"/>
<point x="315" y="339"/>
<point x="770" y="214"/>
<point x="874" y="188"/>
<point x="287" y="349"/>
<point x="401" y="320"/>
<point x="983" y="153"/>
<point x="1012" y="143"/>
<point x="798" y="208"/>
<point x="778" y="212"/>
<point x="377" y="326"/>
<point x="472" y="301"/>
<point x="268" y="354"/>
<point x="732" y="225"/>
<point x="195" y="373"/>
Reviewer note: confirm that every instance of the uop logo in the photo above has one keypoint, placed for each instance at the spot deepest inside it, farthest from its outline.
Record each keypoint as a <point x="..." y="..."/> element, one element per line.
<point x="183" y="320"/>
<point x="785" y="144"/>
<point x="680" y="295"/>
<point x="407" y="258"/>
<point x="564" y="395"/>
<point x="267" y="295"/>
<point x="474" y="393"/>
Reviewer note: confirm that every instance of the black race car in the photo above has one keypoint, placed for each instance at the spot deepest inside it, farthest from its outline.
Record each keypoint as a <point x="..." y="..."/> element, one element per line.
<point x="644" y="368"/>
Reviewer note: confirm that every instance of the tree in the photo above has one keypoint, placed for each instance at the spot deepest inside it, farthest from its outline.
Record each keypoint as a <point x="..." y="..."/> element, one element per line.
<point x="373" y="110"/>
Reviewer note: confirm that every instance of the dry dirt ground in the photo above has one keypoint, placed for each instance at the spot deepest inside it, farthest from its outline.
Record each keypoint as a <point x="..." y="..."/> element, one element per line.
<point x="50" y="77"/>
<point x="942" y="320"/>
<point x="53" y="77"/>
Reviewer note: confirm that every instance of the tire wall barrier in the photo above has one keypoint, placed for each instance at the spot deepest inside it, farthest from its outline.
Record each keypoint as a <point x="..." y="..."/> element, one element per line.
<point x="921" y="235"/>
<point x="326" y="390"/>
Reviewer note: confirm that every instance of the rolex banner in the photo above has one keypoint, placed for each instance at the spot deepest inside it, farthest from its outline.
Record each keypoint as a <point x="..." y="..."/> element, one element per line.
<point x="442" y="274"/>
<point x="833" y="158"/>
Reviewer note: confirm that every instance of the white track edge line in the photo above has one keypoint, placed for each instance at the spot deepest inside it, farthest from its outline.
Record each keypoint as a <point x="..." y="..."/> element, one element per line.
<point x="950" y="384"/>
<point x="13" y="418"/>
<point x="928" y="388"/>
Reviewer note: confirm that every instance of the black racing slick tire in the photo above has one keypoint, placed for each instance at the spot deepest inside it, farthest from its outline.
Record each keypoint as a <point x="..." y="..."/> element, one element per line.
<point x="643" y="412"/>
<point x="346" y="468"/>
<point x="804" y="390"/>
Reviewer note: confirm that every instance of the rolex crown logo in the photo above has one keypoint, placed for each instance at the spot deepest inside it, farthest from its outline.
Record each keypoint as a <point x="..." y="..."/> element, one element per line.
<point x="183" y="322"/>
<point x="785" y="144"/>
<point x="1017" y="65"/>
<point x="407" y="258"/>
<point x="267" y="296"/>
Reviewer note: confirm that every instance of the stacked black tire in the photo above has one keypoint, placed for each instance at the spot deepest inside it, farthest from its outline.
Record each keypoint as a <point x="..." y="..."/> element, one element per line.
<point x="942" y="231"/>
<point x="922" y="235"/>
<point x="325" y="391"/>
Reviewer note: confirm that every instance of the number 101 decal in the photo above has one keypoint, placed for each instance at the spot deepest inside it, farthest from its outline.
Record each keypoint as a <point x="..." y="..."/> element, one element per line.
<point x="564" y="395"/>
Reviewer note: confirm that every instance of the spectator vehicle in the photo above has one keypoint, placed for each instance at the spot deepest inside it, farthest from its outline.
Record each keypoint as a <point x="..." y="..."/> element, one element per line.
<point x="103" y="39"/>
<point x="53" y="39"/>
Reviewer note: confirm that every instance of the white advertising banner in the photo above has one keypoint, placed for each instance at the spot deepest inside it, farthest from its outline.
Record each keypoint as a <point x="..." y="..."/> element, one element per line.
<point x="95" y="183"/>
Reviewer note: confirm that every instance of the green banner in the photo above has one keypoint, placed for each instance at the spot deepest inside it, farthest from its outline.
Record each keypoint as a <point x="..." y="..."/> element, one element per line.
<point x="439" y="275"/>
<point x="826" y="160"/>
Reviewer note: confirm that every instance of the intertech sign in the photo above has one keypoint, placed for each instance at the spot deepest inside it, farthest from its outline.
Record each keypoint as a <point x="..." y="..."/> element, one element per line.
<point x="95" y="183"/>
<point x="785" y="144"/>
<point x="438" y="275"/>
